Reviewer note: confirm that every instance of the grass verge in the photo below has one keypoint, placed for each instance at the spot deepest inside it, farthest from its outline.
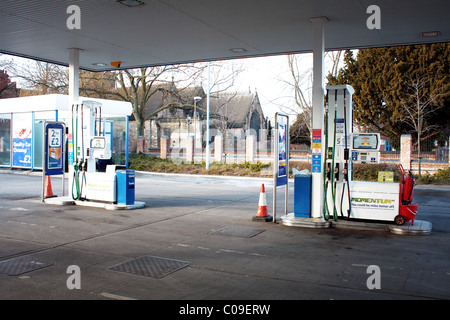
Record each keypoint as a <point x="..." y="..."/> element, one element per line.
<point x="361" y="172"/>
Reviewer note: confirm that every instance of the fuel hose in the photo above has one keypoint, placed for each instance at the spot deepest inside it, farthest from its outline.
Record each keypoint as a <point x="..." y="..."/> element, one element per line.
<point x="346" y="158"/>
<point x="326" y="213"/>
<point x="333" y="189"/>
<point x="76" y="179"/>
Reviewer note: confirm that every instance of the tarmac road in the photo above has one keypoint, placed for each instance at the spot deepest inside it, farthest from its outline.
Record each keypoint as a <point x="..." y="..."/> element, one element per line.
<point x="195" y="240"/>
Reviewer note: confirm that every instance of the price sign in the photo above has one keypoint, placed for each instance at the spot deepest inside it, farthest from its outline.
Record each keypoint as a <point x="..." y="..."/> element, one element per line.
<point x="54" y="148"/>
<point x="54" y="138"/>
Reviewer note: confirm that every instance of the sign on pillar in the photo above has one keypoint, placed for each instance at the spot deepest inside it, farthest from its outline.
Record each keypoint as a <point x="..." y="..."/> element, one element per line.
<point x="317" y="151"/>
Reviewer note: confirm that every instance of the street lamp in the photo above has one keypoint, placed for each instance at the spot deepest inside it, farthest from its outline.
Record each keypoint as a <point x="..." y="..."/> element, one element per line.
<point x="207" y="116"/>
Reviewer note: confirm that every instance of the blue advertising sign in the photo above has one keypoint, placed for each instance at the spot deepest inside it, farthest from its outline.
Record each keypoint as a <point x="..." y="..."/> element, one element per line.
<point x="54" y="148"/>
<point x="22" y="140"/>
<point x="282" y="136"/>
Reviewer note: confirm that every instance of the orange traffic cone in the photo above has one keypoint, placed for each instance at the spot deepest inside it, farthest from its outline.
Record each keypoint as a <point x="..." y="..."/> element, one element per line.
<point x="261" y="214"/>
<point x="48" y="193"/>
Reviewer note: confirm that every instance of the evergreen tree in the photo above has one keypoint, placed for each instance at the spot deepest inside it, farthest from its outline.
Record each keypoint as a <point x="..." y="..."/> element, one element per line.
<point x="299" y="131"/>
<point x="381" y="78"/>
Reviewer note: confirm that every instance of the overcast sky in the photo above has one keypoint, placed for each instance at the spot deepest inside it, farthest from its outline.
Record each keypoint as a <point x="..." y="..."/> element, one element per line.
<point x="272" y="79"/>
<point x="268" y="76"/>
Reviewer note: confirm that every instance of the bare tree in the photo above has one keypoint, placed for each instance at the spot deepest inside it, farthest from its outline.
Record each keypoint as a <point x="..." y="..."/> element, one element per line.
<point x="138" y="85"/>
<point x="335" y="58"/>
<point x="419" y="105"/>
<point x="100" y="85"/>
<point x="301" y="83"/>
<point x="224" y="75"/>
<point x="5" y="63"/>
<point x="134" y="85"/>
<point x="43" y="77"/>
<point x="223" y="78"/>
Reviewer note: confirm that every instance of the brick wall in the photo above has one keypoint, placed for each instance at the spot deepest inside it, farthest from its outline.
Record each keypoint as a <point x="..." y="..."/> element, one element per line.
<point x="425" y="167"/>
<point x="405" y="151"/>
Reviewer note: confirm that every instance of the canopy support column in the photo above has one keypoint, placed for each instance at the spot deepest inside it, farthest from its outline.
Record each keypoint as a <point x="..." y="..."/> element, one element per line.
<point x="74" y="91"/>
<point x="318" y="113"/>
<point x="74" y="75"/>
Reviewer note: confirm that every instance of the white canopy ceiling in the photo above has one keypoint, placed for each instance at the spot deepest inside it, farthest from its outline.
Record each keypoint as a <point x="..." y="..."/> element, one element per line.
<point x="164" y="32"/>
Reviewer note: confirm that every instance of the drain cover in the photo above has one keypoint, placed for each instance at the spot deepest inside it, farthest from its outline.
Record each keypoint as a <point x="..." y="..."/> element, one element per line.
<point x="149" y="266"/>
<point x="238" y="231"/>
<point x="14" y="267"/>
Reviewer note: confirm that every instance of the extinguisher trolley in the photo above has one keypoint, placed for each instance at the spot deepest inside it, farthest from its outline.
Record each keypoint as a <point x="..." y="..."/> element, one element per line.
<point x="408" y="210"/>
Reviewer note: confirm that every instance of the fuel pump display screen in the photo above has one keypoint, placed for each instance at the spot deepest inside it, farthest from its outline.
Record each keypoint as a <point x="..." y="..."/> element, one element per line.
<point x="365" y="141"/>
<point x="99" y="148"/>
<point x="98" y="143"/>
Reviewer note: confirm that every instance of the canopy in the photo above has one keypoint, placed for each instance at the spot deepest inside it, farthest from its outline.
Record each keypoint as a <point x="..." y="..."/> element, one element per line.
<point x="161" y="32"/>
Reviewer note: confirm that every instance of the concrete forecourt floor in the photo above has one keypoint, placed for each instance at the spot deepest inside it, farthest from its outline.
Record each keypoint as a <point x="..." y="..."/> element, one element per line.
<point x="195" y="240"/>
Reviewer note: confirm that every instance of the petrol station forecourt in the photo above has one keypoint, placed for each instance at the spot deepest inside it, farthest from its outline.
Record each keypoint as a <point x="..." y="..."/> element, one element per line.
<point x="209" y="233"/>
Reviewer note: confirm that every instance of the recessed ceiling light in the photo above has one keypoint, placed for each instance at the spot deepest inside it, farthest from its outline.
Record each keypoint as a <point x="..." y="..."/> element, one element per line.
<point x="131" y="3"/>
<point x="238" y="50"/>
<point x="99" y="64"/>
<point x="430" y="34"/>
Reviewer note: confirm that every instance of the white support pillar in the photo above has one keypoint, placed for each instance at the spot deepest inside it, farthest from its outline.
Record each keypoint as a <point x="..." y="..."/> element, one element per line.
<point x="318" y="113"/>
<point x="74" y="75"/>
<point x="74" y="89"/>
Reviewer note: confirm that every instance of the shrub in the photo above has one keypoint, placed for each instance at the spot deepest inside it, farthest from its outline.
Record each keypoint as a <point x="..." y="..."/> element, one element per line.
<point x="369" y="172"/>
<point x="361" y="172"/>
<point x="426" y="178"/>
<point x="142" y="162"/>
<point x="254" y="167"/>
<point x="442" y="176"/>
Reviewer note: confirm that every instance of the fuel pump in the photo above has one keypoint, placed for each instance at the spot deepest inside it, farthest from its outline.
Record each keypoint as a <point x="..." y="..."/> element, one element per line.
<point x="367" y="200"/>
<point x="77" y="157"/>
<point x="333" y="158"/>
<point x="88" y="145"/>
<point x="338" y="124"/>
<point x="327" y="168"/>
<point x="329" y="185"/>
